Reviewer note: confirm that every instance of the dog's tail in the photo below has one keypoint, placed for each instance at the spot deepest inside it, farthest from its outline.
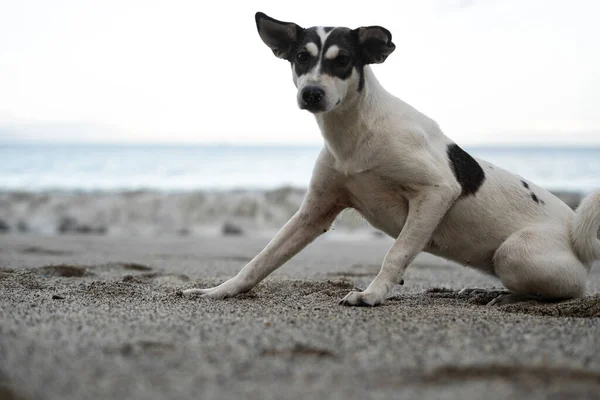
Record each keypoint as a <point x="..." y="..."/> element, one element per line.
<point x="585" y="229"/>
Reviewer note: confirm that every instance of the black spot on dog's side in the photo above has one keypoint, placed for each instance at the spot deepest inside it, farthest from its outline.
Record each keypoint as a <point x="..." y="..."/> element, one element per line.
<point x="533" y="196"/>
<point x="467" y="171"/>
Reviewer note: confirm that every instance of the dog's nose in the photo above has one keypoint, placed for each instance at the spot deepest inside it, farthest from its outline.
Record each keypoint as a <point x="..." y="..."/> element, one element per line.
<point x="312" y="95"/>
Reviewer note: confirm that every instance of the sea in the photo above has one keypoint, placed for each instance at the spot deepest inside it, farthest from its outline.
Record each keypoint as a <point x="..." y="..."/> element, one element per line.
<point x="104" y="167"/>
<point x="157" y="190"/>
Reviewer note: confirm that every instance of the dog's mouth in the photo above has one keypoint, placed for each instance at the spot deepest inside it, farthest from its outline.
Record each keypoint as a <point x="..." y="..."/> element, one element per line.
<point x="313" y="108"/>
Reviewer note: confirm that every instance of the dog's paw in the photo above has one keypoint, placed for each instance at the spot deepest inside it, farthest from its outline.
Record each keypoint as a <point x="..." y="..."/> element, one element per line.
<point x="361" y="299"/>
<point x="227" y="289"/>
<point x="212" y="293"/>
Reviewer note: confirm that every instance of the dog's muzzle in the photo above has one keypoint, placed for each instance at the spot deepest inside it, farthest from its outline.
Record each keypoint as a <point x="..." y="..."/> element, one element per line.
<point x="312" y="98"/>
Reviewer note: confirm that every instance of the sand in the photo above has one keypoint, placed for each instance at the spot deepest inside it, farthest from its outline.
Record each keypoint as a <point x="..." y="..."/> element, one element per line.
<point x="85" y="317"/>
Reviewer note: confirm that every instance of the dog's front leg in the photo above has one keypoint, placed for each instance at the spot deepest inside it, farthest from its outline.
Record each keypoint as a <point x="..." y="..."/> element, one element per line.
<point x="314" y="218"/>
<point x="425" y="211"/>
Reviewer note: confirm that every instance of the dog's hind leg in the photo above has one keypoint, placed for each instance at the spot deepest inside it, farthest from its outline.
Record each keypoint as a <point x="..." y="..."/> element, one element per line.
<point x="538" y="263"/>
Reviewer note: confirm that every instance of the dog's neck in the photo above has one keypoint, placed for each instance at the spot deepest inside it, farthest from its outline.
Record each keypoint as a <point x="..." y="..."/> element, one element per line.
<point x="352" y="126"/>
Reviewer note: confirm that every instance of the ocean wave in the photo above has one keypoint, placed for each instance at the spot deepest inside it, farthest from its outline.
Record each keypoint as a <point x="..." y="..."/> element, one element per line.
<point x="153" y="213"/>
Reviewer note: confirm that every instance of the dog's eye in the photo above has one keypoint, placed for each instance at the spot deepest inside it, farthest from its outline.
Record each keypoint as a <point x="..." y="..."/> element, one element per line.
<point x="302" y="57"/>
<point x="342" y="61"/>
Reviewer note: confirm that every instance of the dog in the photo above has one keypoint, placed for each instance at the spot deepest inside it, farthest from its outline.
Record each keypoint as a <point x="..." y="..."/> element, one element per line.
<point x="394" y="166"/>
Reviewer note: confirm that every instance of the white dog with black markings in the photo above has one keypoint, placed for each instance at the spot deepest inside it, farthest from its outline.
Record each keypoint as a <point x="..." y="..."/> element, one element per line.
<point x="394" y="165"/>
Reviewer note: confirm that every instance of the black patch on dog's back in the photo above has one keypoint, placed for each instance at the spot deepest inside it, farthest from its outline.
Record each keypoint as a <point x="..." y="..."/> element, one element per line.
<point x="467" y="171"/>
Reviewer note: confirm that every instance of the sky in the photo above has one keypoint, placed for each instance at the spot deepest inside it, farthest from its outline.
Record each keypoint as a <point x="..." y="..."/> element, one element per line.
<point x="489" y="72"/>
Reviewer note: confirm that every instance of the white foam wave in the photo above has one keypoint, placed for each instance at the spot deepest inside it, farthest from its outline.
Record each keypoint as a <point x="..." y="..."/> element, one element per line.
<point x="153" y="212"/>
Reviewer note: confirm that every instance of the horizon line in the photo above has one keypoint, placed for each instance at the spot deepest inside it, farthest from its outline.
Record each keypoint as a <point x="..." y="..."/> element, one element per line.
<point x="572" y="145"/>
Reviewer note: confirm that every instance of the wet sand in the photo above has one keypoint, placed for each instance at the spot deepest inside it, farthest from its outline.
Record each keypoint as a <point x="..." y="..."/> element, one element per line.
<point x="98" y="318"/>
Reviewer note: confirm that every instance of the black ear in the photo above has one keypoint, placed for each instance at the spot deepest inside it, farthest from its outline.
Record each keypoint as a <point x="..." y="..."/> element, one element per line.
<point x="279" y="36"/>
<point x="375" y="44"/>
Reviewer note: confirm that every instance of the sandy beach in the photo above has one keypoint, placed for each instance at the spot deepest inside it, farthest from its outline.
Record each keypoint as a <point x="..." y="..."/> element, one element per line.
<point x="149" y="148"/>
<point x="97" y="317"/>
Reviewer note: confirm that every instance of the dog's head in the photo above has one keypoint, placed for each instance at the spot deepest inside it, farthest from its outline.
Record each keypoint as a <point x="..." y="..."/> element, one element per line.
<point x="327" y="63"/>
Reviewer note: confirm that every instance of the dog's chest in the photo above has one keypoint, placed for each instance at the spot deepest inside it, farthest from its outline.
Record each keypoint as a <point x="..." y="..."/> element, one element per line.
<point x="382" y="202"/>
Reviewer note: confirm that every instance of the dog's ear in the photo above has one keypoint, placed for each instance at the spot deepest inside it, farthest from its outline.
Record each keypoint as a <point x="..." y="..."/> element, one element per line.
<point x="279" y="36"/>
<point x="375" y="44"/>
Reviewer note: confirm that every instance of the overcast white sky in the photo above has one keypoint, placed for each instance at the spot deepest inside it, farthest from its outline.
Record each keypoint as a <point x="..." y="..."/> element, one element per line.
<point x="505" y="71"/>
